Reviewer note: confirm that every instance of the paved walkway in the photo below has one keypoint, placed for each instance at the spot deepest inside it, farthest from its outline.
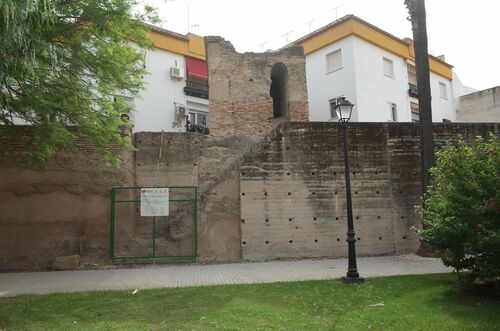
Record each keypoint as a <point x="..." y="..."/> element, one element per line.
<point x="12" y="284"/>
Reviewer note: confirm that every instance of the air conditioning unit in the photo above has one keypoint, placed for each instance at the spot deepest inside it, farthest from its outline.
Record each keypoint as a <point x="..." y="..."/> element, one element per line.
<point x="180" y="110"/>
<point x="176" y="73"/>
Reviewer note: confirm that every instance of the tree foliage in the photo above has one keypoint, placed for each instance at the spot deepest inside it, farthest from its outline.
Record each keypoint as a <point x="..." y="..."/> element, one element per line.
<point x="461" y="213"/>
<point x="61" y="62"/>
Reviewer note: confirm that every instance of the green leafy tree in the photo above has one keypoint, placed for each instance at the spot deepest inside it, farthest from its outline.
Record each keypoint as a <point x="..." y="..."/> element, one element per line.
<point x="61" y="62"/>
<point x="461" y="213"/>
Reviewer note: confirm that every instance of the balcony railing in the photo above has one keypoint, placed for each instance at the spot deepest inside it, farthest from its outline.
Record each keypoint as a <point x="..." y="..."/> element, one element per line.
<point x="197" y="128"/>
<point x="196" y="89"/>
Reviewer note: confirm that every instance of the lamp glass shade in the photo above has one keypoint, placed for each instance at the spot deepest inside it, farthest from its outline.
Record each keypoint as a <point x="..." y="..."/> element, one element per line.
<point x="344" y="109"/>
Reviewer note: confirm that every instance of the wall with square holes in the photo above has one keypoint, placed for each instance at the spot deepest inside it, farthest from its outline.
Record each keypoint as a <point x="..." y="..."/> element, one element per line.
<point x="210" y="163"/>
<point x="261" y="197"/>
<point x="292" y="193"/>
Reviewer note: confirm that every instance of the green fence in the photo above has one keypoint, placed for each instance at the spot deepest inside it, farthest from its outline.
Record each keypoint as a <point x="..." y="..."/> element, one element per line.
<point x="153" y="239"/>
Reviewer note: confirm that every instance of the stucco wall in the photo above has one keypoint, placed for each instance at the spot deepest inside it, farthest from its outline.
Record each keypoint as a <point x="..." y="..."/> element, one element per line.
<point x="323" y="86"/>
<point x="481" y="106"/>
<point x="442" y="108"/>
<point x="362" y="81"/>
<point x="376" y="91"/>
<point x="155" y="107"/>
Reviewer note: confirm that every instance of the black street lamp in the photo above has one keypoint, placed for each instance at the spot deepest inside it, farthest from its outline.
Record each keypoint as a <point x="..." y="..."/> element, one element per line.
<point x="344" y="110"/>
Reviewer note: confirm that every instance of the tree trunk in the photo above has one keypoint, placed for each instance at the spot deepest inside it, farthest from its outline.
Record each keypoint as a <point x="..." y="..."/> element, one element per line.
<point x="416" y="9"/>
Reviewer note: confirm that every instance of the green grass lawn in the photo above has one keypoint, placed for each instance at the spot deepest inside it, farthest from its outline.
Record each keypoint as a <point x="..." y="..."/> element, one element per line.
<point x="428" y="302"/>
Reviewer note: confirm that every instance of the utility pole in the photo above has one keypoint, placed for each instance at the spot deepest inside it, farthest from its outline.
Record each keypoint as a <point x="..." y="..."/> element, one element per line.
<point x="416" y="9"/>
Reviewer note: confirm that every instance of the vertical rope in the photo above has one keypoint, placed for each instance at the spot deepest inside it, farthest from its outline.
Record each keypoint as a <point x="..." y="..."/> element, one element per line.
<point x="159" y="158"/>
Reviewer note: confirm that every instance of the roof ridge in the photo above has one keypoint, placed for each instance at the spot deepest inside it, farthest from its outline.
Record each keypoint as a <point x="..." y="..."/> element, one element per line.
<point x="168" y="32"/>
<point x="352" y="16"/>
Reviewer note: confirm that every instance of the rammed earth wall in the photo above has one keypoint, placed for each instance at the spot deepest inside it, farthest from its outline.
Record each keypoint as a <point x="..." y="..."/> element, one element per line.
<point x="281" y="195"/>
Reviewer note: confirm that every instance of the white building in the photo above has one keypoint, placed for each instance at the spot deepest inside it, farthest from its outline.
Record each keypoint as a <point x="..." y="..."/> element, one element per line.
<point x="374" y="70"/>
<point x="176" y="86"/>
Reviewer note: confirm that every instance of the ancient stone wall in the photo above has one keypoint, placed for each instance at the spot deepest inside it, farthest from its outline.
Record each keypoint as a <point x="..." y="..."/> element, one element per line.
<point x="293" y="201"/>
<point x="240" y="88"/>
<point x="281" y="195"/>
<point x="211" y="164"/>
<point x="58" y="211"/>
<point x="65" y="209"/>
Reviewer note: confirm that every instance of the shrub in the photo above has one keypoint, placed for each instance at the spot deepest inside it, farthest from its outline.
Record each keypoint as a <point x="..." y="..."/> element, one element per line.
<point x="461" y="213"/>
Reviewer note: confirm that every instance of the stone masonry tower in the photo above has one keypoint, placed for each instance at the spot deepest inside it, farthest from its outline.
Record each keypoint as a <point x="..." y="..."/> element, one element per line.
<point x="250" y="93"/>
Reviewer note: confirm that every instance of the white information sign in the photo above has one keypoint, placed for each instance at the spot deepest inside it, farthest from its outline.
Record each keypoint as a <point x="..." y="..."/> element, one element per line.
<point x="154" y="201"/>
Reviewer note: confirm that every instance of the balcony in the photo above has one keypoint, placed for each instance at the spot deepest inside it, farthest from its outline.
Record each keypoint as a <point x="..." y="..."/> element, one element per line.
<point x="199" y="128"/>
<point x="196" y="88"/>
<point x="413" y="90"/>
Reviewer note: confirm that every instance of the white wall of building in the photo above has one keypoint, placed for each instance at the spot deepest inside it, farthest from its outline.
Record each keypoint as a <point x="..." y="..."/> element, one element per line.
<point x="363" y="82"/>
<point x="155" y="110"/>
<point x="442" y="107"/>
<point x="459" y="90"/>
<point x="374" y="89"/>
<point x="155" y="107"/>
<point x="323" y="86"/>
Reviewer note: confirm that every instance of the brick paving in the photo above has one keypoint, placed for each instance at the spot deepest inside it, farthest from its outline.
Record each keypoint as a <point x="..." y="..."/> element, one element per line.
<point x="156" y="276"/>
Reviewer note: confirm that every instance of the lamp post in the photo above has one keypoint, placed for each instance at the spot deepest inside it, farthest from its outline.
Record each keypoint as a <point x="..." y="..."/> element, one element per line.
<point x="344" y="110"/>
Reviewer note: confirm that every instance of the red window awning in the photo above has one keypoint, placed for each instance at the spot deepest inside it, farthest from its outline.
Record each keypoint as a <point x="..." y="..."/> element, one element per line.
<point x="197" y="68"/>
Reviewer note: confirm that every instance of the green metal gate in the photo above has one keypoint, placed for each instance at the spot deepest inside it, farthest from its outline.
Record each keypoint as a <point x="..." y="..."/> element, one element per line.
<point x="153" y="239"/>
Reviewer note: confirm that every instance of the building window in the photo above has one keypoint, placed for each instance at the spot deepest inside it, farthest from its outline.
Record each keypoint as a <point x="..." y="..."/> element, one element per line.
<point x="197" y="122"/>
<point x="412" y="74"/>
<point x="333" y="113"/>
<point x="202" y="118"/>
<point x="393" y="112"/>
<point x="198" y="118"/>
<point x="334" y="61"/>
<point x="388" y="68"/>
<point x="443" y="92"/>
<point x="415" y="117"/>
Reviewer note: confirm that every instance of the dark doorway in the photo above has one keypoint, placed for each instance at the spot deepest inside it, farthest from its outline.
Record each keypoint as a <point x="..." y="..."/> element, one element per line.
<point x="279" y="90"/>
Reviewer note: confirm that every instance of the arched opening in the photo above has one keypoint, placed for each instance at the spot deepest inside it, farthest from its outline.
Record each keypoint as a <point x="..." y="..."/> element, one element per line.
<point x="279" y="90"/>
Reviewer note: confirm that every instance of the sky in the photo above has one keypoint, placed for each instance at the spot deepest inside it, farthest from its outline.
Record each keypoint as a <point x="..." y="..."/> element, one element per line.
<point x="466" y="32"/>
